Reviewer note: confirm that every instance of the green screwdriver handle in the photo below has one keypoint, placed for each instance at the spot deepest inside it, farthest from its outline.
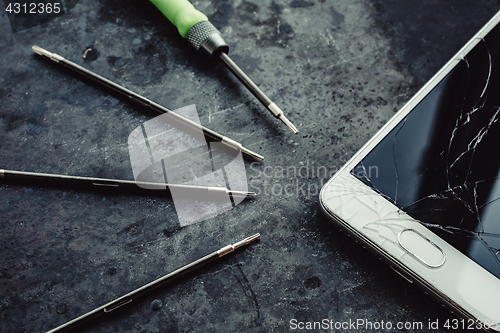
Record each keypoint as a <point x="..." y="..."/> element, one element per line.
<point x="193" y="25"/>
<point x="181" y="13"/>
<point x="204" y="37"/>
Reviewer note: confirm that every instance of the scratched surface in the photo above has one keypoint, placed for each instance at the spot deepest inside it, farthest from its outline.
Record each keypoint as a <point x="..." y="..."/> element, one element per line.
<point x="339" y="70"/>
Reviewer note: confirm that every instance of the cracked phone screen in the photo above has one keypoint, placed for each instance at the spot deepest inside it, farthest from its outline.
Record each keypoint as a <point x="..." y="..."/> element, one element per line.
<point x="441" y="163"/>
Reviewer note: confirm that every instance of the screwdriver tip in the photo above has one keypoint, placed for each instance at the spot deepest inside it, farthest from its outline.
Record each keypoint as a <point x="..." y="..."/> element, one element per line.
<point x="251" y="153"/>
<point x="246" y="241"/>
<point x="289" y="124"/>
<point x="40" y="51"/>
<point x="45" y="53"/>
<point x="242" y="193"/>
<point x="278" y="113"/>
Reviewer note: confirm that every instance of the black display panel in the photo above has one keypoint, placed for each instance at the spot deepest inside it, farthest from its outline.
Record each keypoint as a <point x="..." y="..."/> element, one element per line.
<point x="441" y="163"/>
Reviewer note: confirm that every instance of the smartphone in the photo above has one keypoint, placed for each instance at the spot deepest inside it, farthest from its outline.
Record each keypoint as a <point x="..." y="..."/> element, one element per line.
<point x="424" y="193"/>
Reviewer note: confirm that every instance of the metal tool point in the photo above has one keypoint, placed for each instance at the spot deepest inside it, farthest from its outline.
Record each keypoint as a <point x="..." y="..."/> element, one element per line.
<point x="230" y="248"/>
<point x="241" y="193"/>
<point x="255" y="90"/>
<point x="281" y="116"/>
<point x="244" y="150"/>
<point x="289" y="124"/>
<point x="246" y="241"/>
<point x="251" y="153"/>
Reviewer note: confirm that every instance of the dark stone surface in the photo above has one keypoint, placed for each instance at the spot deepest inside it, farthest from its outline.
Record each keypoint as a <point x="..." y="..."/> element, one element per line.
<point x="339" y="70"/>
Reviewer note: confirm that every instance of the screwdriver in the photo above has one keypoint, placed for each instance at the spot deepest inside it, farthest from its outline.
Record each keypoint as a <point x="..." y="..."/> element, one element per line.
<point x="204" y="36"/>
<point x="143" y="101"/>
<point x="150" y="287"/>
<point x="115" y="183"/>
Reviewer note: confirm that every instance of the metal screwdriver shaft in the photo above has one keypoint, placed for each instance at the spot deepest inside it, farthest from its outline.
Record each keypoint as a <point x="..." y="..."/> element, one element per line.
<point x="115" y="183"/>
<point x="150" y="287"/>
<point x="143" y="101"/>
<point x="203" y="36"/>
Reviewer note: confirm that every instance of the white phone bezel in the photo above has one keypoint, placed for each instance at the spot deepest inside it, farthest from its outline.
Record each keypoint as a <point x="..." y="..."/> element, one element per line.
<point x="458" y="282"/>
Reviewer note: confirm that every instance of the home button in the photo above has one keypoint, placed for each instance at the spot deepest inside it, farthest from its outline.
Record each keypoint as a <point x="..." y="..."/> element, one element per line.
<point x="421" y="248"/>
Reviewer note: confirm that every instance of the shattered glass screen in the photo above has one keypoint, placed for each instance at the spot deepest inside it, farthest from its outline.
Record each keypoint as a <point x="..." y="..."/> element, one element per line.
<point x="441" y="163"/>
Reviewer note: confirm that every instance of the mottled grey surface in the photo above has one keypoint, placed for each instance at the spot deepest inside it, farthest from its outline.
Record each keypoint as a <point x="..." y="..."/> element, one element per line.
<point x="339" y="70"/>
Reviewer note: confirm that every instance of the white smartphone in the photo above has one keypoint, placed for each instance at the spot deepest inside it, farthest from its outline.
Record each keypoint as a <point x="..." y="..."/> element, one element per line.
<point x="424" y="193"/>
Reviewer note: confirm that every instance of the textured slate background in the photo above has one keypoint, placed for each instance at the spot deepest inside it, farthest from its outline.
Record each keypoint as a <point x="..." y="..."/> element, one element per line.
<point x="339" y="69"/>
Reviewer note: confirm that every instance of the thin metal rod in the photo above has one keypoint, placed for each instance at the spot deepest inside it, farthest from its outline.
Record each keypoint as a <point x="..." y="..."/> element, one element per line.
<point x="255" y="90"/>
<point x="143" y="101"/>
<point x="133" y="295"/>
<point x="103" y="182"/>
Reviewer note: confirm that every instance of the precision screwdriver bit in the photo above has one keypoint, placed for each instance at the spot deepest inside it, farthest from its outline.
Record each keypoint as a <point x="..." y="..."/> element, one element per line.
<point x="204" y="37"/>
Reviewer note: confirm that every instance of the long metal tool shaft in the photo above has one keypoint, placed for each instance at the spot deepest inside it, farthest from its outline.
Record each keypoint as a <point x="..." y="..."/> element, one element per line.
<point x="130" y="95"/>
<point x="117" y="183"/>
<point x="133" y="295"/>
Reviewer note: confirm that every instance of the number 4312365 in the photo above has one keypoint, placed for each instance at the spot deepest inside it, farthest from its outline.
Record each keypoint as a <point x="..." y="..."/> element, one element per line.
<point x="33" y="8"/>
